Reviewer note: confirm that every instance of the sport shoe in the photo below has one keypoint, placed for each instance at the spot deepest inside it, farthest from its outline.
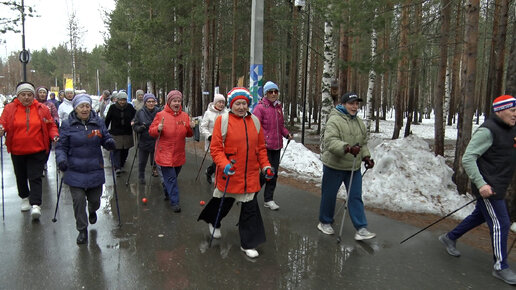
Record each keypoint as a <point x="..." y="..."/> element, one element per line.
<point x="364" y="234"/>
<point x="272" y="205"/>
<point x="216" y="234"/>
<point x="176" y="208"/>
<point x="118" y="172"/>
<point x="450" y="245"/>
<point x="92" y="217"/>
<point x="326" y="228"/>
<point x="35" y="212"/>
<point x="25" y="204"/>
<point x="251" y="253"/>
<point x="513" y="227"/>
<point x="82" y="238"/>
<point x="507" y="275"/>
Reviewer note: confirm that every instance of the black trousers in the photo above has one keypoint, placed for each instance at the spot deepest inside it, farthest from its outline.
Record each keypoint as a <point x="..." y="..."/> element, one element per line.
<point x="250" y="223"/>
<point x="211" y="169"/>
<point x="29" y="168"/>
<point x="119" y="157"/>
<point x="79" y="197"/>
<point x="270" y="186"/>
<point x="143" y="156"/>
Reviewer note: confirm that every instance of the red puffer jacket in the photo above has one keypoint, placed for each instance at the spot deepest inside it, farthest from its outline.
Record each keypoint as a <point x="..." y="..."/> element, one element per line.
<point x="244" y="145"/>
<point x="170" y="148"/>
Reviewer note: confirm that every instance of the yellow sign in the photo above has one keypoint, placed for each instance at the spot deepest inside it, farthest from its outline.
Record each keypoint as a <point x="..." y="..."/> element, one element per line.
<point x="68" y="84"/>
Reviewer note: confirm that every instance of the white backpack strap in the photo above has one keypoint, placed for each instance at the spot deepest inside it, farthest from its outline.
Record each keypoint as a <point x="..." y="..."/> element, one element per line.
<point x="224" y="125"/>
<point x="256" y="123"/>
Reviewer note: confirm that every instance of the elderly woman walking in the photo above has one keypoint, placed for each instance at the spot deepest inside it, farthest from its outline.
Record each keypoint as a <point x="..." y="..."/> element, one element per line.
<point x="238" y="149"/>
<point x="171" y="126"/>
<point x="79" y="155"/>
<point x="119" y="116"/>
<point x="28" y="126"/>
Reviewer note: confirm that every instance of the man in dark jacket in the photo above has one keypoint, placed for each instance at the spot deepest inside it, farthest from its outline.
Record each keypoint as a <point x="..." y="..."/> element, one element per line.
<point x="490" y="161"/>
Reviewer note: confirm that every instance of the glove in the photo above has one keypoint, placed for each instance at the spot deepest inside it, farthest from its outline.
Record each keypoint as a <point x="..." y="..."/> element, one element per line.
<point x="269" y="172"/>
<point x="229" y="169"/>
<point x="353" y="150"/>
<point x="110" y="144"/>
<point x="63" y="166"/>
<point x="368" y="162"/>
<point x="209" y="138"/>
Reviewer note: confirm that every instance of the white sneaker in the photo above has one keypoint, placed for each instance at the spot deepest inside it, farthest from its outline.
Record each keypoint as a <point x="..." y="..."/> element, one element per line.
<point x="272" y="205"/>
<point x="513" y="227"/>
<point x="216" y="234"/>
<point x="251" y="253"/>
<point x="35" y="212"/>
<point x="326" y="228"/>
<point x="364" y="234"/>
<point x="25" y="204"/>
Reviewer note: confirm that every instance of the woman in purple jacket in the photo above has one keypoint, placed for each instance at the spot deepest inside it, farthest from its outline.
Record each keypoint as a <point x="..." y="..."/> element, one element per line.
<point x="270" y="113"/>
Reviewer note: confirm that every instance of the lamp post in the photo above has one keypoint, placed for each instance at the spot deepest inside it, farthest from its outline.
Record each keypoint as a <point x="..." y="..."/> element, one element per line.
<point x="24" y="54"/>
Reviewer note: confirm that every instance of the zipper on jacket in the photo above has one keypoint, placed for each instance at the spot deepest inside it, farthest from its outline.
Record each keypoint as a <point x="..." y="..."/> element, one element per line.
<point x="246" y="154"/>
<point x="27" y="117"/>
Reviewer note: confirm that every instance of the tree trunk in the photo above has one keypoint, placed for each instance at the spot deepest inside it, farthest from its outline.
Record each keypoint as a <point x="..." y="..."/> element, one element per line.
<point x="441" y="78"/>
<point x="234" y="45"/>
<point x="343" y="56"/>
<point x="292" y="84"/>
<point x="455" y="65"/>
<point x="372" y="78"/>
<point x="510" y="89"/>
<point x="500" y="48"/>
<point x="328" y="72"/>
<point x="469" y="60"/>
<point x="414" y="87"/>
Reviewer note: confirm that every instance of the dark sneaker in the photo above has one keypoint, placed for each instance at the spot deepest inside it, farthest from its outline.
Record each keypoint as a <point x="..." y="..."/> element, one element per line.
<point x="92" y="217"/>
<point x="82" y="238"/>
<point x="450" y="245"/>
<point x="507" y="275"/>
<point x="176" y="208"/>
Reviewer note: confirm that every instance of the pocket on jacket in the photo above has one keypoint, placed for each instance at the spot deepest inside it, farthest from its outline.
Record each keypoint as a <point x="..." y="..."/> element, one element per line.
<point x="230" y="151"/>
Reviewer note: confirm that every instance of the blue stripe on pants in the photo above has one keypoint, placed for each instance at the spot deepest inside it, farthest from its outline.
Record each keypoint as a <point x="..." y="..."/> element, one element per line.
<point x="494" y="212"/>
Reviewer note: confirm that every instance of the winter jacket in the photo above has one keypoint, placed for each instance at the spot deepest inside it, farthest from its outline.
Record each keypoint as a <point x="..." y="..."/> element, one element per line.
<point x="244" y="145"/>
<point x="341" y="130"/>
<point x="79" y="146"/>
<point x="120" y="119"/>
<point x="273" y="123"/>
<point x="53" y="110"/>
<point x="208" y="121"/>
<point x="170" y="144"/>
<point x="65" y="108"/>
<point x="25" y="134"/>
<point x="142" y="122"/>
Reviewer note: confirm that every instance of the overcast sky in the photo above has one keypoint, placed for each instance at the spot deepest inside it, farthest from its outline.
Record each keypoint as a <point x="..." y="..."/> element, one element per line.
<point x="50" y="28"/>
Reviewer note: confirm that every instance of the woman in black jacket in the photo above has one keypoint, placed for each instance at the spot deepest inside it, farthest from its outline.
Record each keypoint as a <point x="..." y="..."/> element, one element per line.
<point x="142" y="121"/>
<point x="119" y="116"/>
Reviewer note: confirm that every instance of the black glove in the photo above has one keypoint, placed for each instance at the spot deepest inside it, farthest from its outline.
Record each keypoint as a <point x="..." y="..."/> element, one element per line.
<point x="368" y="162"/>
<point x="110" y="144"/>
<point x="353" y="150"/>
<point x="209" y="138"/>
<point x="63" y="166"/>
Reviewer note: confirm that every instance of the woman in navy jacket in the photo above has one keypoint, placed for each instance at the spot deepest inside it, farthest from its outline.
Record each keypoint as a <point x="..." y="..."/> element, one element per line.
<point x="79" y="155"/>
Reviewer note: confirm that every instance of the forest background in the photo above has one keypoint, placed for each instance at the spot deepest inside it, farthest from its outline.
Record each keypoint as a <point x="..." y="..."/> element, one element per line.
<point x="449" y="58"/>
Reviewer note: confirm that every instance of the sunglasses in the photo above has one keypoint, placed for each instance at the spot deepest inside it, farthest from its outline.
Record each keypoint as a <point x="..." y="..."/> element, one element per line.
<point x="273" y="92"/>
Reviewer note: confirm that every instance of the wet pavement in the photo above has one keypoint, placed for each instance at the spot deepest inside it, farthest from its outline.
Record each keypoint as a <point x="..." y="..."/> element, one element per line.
<point x="156" y="248"/>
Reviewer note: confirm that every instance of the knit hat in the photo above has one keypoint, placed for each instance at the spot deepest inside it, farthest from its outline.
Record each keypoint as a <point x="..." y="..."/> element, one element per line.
<point x="81" y="99"/>
<point x="350" y="97"/>
<point x="148" y="96"/>
<point x="269" y="86"/>
<point x="42" y="89"/>
<point x="69" y="90"/>
<point x="25" y="87"/>
<point x="219" y="97"/>
<point x="503" y="102"/>
<point x="239" y="93"/>
<point x="174" y="94"/>
<point x="121" y="95"/>
<point x="139" y="92"/>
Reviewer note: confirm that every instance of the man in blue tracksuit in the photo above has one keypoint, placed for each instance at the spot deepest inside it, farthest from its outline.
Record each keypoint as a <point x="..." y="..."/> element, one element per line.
<point x="490" y="161"/>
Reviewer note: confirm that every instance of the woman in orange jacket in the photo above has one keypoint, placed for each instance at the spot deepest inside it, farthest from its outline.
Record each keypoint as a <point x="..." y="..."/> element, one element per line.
<point x="29" y="127"/>
<point x="171" y="126"/>
<point x="237" y="138"/>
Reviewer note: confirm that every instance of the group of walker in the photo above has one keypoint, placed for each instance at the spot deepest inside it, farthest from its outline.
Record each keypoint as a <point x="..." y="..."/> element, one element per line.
<point x="245" y="148"/>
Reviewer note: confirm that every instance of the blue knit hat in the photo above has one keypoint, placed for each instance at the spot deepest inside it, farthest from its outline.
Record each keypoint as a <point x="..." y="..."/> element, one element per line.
<point x="81" y="99"/>
<point x="148" y="96"/>
<point x="269" y="86"/>
<point x="239" y="93"/>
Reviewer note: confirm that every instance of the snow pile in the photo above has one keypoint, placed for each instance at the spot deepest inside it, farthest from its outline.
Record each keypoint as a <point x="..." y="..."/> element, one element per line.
<point x="300" y="162"/>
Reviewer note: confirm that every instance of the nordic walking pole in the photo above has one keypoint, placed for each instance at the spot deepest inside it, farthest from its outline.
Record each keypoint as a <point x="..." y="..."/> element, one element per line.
<point x="347" y="200"/>
<point x="132" y="165"/>
<point x="284" y="150"/>
<point x="220" y="206"/>
<point x="343" y="204"/>
<point x="2" y="165"/>
<point x="202" y="162"/>
<point x="58" y="196"/>
<point x="114" y="189"/>
<point x="471" y="201"/>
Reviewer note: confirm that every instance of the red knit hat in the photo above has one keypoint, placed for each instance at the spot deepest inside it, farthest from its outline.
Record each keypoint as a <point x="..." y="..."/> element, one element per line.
<point x="503" y="102"/>
<point x="238" y="93"/>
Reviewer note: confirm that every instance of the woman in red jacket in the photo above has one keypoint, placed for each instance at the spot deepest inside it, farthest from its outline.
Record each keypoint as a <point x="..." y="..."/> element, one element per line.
<point x="238" y="139"/>
<point x="171" y="126"/>
<point x="28" y="126"/>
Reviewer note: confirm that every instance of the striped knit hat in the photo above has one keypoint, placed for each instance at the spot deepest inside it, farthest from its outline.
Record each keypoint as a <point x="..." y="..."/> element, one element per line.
<point x="503" y="102"/>
<point x="239" y="93"/>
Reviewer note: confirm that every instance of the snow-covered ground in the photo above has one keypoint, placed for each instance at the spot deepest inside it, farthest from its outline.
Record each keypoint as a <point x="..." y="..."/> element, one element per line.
<point x="407" y="176"/>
